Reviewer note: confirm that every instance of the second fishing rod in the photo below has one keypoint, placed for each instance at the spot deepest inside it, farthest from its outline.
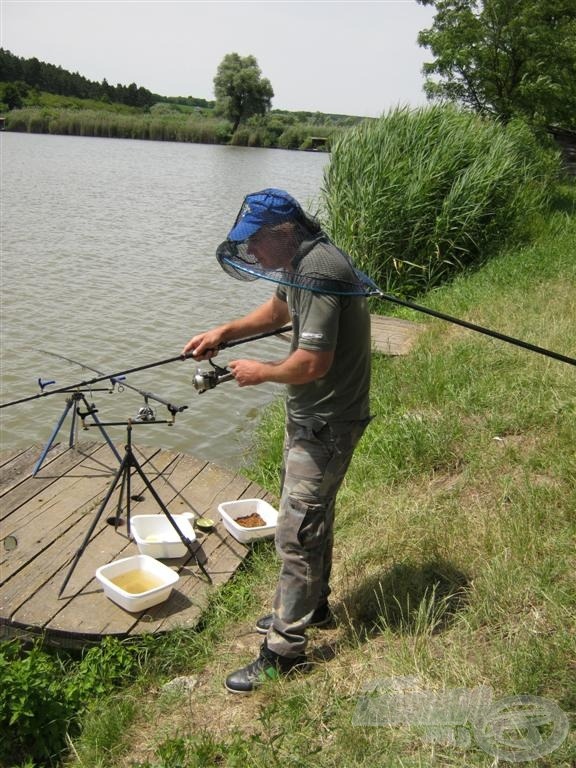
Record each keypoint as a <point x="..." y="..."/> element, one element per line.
<point x="114" y="378"/>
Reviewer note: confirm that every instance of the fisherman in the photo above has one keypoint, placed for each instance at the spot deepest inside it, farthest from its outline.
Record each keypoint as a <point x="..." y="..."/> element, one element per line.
<point x="327" y="375"/>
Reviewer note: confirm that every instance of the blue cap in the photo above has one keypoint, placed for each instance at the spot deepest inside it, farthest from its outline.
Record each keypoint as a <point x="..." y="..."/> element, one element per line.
<point x="270" y="206"/>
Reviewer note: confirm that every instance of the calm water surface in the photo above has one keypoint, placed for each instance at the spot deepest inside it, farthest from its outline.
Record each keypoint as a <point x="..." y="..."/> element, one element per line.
<point x="108" y="258"/>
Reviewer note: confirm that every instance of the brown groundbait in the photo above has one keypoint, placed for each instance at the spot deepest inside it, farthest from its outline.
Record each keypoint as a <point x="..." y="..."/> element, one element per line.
<point x="251" y="521"/>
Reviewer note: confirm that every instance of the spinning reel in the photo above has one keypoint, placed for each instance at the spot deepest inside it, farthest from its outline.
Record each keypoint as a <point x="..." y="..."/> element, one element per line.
<point x="205" y="380"/>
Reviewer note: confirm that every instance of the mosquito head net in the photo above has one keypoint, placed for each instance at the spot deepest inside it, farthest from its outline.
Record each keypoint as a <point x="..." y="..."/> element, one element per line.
<point x="274" y="239"/>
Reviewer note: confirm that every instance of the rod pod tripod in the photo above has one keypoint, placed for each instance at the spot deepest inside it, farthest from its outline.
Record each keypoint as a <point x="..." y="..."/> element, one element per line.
<point x="129" y="462"/>
<point x="72" y="405"/>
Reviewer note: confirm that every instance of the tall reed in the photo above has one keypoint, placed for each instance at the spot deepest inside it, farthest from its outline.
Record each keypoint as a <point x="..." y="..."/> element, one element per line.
<point x="105" y="124"/>
<point x="418" y="195"/>
<point x="164" y="126"/>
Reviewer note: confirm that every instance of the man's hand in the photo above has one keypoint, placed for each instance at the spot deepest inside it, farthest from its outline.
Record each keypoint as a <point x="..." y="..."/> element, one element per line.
<point x="301" y="367"/>
<point x="205" y="345"/>
<point x="248" y="372"/>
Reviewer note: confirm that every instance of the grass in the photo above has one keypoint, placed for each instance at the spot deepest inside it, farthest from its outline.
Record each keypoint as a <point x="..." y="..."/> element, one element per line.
<point x="453" y="562"/>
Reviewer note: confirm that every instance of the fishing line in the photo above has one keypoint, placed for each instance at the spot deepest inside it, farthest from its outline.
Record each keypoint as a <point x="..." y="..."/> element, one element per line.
<point x="116" y="381"/>
<point x="113" y="377"/>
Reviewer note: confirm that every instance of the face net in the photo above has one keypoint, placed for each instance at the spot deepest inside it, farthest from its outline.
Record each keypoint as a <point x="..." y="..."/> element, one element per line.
<point x="297" y="254"/>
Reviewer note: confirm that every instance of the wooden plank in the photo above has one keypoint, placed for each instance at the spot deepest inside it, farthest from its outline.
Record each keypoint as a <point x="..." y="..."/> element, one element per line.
<point x="38" y="522"/>
<point x="45" y="516"/>
<point x="20" y="467"/>
<point x="211" y="485"/>
<point x="78" y="610"/>
<point x="221" y="555"/>
<point x="169" y="487"/>
<point x="393" y="336"/>
<point x="21" y="492"/>
<point x="9" y="454"/>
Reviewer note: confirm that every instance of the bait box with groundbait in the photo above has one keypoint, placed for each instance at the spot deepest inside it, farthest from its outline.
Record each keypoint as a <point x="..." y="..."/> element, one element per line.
<point x="230" y="511"/>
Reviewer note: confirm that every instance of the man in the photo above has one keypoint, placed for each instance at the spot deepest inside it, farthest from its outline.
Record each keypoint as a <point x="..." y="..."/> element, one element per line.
<point x="327" y="374"/>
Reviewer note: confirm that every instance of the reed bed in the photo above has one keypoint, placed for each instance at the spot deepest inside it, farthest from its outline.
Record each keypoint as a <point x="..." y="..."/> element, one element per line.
<point x="164" y="126"/>
<point x="420" y="195"/>
<point x="105" y="124"/>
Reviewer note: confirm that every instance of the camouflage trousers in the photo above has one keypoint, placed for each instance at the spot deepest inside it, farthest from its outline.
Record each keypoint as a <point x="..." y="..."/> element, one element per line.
<point x="315" y="463"/>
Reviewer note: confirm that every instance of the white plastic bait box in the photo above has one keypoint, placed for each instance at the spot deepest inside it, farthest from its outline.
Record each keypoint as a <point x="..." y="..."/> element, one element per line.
<point x="231" y="511"/>
<point x="137" y="583"/>
<point x="156" y="536"/>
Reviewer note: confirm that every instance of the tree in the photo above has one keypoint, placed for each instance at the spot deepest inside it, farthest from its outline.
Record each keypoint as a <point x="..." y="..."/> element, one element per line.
<point x="240" y="89"/>
<point x="12" y="96"/>
<point x="505" y="58"/>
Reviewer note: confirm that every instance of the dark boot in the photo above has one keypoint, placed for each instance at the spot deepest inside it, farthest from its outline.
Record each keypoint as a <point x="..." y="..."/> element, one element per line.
<point x="321" y="617"/>
<point x="268" y="666"/>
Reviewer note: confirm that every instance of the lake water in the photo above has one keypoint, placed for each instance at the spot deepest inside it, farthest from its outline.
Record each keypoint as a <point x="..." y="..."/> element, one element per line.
<point x="108" y="258"/>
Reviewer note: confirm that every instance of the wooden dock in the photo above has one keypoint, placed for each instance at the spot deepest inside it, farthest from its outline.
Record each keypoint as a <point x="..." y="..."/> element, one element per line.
<point x="45" y="520"/>
<point x="393" y="336"/>
<point x="390" y="335"/>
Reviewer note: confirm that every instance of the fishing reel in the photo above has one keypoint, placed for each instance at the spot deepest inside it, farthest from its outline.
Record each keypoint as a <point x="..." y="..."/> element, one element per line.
<point x="145" y="413"/>
<point x="204" y="380"/>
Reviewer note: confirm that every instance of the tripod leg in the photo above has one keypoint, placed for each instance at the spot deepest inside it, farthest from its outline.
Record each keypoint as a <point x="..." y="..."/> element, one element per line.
<point x="134" y="462"/>
<point x="124" y="467"/>
<point x="105" y="434"/>
<point x="69" y="404"/>
<point x="72" y="438"/>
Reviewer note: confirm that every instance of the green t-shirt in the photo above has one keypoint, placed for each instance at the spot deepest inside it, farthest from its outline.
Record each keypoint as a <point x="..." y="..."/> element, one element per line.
<point x="325" y="322"/>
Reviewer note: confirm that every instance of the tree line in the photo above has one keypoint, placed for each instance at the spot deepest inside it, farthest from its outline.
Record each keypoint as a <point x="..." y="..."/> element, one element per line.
<point x="24" y="74"/>
<point x="502" y="60"/>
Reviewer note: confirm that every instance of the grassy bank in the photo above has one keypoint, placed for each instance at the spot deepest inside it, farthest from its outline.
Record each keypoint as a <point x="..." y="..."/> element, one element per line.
<point x="454" y="554"/>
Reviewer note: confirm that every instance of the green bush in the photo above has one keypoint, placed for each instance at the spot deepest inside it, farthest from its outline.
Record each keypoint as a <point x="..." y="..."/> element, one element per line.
<point x="42" y="695"/>
<point x="419" y="195"/>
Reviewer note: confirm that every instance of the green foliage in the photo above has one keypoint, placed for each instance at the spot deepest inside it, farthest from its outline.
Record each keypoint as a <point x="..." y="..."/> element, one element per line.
<point x="48" y="77"/>
<point x="42" y="694"/>
<point x="240" y="89"/>
<point x="506" y="59"/>
<point x="11" y="95"/>
<point x="163" y="123"/>
<point x="34" y="710"/>
<point x="417" y="196"/>
<point x="110" y="124"/>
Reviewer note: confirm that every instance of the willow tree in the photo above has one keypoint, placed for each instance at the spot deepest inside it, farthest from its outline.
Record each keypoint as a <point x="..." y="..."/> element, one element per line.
<point x="240" y="89"/>
<point x="508" y="59"/>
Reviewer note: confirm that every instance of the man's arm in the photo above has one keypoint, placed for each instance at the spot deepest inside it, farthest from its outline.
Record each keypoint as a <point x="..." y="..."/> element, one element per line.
<point x="269" y="316"/>
<point x="301" y="367"/>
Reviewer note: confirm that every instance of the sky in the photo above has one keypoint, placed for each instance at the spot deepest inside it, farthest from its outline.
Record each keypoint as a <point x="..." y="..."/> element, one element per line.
<point x="352" y="57"/>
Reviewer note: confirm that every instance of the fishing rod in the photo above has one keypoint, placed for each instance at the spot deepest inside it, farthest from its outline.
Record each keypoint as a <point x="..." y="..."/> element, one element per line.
<point x="116" y="376"/>
<point x="120" y="382"/>
<point x="236" y="260"/>
<point x="478" y="328"/>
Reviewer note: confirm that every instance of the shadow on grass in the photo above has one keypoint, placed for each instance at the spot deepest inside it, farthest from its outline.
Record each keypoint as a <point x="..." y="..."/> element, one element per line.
<point x="564" y="199"/>
<point x="407" y="599"/>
